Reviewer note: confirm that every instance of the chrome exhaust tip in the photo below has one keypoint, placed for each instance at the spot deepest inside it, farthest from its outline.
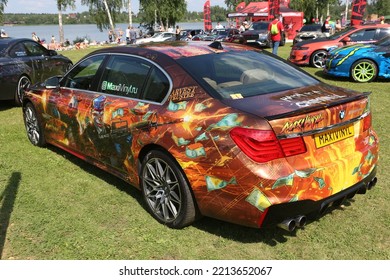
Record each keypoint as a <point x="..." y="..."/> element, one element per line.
<point x="300" y="221"/>
<point x="288" y="225"/>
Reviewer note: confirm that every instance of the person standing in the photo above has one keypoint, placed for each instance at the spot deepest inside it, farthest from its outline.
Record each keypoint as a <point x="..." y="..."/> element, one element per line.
<point x="128" y="34"/>
<point x="326" y="26"/>
<point x="133" y="35"/>
<point x="275" y="29"/>
<point x="35" y="37"/>
<point x="219" y="26"/>
<point x="177" y="33"/>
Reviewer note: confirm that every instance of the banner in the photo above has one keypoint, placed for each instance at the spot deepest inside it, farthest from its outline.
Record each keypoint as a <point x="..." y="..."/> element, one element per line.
<point x="207" y="16"/>
<point x="239" y="8"/>
<point x="358" y="9"/>
<point x="273" y="8"/>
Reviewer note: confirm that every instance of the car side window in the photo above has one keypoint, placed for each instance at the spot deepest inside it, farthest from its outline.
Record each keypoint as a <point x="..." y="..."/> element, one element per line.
<point x="125" y="76"/>
<point x="363" y="35"/>
<point x="35" y="49"/>
<point x="383" y="32"/>
<point x="83" y="74"/>
<point x="157" y="86"/>
<point x="18" y="51"/>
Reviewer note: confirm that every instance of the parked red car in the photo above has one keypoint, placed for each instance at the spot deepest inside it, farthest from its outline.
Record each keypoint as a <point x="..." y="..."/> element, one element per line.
<point x="313" y="52"/>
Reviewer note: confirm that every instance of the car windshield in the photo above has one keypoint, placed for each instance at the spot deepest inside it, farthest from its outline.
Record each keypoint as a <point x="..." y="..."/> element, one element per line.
<point x="241" y="74"/>
<point x="341" y="33"/>
<point x="261" y="25"/>
<point x="311" y="27"/>
<point x="384" y="42"/>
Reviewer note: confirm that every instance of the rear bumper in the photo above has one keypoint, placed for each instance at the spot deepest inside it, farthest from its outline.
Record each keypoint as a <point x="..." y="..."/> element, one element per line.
<point x="279" y="213"/>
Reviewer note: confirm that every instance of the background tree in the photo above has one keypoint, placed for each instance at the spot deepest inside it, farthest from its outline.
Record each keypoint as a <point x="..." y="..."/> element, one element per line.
<point x="381" y="7"/>
<point x="232" y="4"/>
<point x="165" y="13"/>
<point x="61" y="6"/>
<point x="3" y="3"/>
<point x="104" y="12"/>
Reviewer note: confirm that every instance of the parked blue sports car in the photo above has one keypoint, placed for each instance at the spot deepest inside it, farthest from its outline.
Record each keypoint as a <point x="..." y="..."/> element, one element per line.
<point x="361" y="63"/>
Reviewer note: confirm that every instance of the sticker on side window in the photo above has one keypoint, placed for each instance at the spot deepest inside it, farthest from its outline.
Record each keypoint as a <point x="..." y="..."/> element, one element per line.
<point x="123" y="88"/>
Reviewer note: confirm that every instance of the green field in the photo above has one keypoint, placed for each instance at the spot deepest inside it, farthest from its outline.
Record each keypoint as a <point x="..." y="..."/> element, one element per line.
<point x="55" y="206"/>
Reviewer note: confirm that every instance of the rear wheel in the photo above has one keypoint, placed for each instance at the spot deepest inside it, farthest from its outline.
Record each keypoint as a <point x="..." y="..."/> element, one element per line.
<point x="318" y="59"/>
<point x="364" y="71"/>
<point x="23" y="83"/>
<point x="33" y="126"/>
<point x="166" y="191"/>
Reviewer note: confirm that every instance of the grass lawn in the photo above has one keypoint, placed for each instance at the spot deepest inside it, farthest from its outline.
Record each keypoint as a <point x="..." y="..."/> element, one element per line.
<point x="55" y="206"/>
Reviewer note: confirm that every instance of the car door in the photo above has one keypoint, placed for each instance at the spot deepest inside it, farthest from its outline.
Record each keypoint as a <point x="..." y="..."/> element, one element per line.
<point x="69" y="106"/>
<point x="43" y="67"/>
<point x="130" y="92"/>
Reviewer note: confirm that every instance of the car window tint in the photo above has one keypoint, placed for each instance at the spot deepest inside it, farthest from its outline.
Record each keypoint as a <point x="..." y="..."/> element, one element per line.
<point x="363" y="35"/>
<point x="18" y="51"/>
<point x="124" y="76"/>
<point x="82" y="75"/>
<point x="157" y="86"/>
<point x="35" y="49"/>
<point x="383" y="32"/>
<point x="235" y="75"/>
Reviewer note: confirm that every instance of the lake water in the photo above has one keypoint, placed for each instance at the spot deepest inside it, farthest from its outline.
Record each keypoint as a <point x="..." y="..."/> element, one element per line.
<point x="73" y="31"/>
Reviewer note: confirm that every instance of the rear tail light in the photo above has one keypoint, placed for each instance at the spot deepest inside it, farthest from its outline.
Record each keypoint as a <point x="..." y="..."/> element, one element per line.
<point x="263" y="146"/>
<point x="367" y="122"/>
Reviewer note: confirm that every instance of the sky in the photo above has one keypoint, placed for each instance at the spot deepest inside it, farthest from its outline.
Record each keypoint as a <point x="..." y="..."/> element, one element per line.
<point x="49" y="6"/>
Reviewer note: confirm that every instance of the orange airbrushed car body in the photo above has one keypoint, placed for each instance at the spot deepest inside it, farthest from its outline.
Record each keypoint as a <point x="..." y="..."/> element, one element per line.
<point x="256" y="160"/>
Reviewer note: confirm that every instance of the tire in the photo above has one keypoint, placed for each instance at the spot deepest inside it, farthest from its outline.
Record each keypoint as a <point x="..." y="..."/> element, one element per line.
<point x="318" y="59"/>
<point x="283" y="41"/>
<point x="364" y="71"/>
<point x="33" y="126"/>
<point x="23" y="83"/>
<point x="166" y="191"/>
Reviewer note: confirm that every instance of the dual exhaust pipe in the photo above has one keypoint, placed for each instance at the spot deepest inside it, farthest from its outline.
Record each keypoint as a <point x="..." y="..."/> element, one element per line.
<point x="300" y="221"/>
<point x="291" y="224"/>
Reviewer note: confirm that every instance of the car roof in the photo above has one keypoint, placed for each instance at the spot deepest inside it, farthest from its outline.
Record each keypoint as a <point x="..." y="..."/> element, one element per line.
<point x="175" y="50"/>
<point x="8" y="40"/>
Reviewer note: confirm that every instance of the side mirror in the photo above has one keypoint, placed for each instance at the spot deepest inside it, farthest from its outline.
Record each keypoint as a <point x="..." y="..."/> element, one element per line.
<point x="52" y="53"/>
<point x="52" y="82"/>
<point x="346" y="39"/>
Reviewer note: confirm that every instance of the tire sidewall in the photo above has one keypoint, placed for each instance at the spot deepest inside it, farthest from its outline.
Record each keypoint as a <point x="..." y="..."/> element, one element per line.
<point x="41" y="141"/>
<point x="18" y="99"/>
<point x="187" y="211"/>
<point x="360" y="61"/>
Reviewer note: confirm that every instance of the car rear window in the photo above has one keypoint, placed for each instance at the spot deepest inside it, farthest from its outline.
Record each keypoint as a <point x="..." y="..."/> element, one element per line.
<point x="240" y="74"/>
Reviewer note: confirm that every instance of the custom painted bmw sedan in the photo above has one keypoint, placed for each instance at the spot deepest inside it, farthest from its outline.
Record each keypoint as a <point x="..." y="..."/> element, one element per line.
<point x="220" y="130"/>
<point x="24" y="61"/>
<point x="361" y="63"/>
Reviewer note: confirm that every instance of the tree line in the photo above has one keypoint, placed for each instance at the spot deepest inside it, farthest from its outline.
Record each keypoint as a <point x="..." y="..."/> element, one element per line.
<point x="106" y="13"/>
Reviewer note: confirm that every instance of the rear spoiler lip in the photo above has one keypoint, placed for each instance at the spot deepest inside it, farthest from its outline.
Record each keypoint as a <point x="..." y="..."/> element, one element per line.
<point x="317" y="107"/>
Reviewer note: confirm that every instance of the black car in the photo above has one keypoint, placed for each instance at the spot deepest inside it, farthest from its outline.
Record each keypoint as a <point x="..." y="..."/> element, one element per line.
<point x="258" y="34"/>
<point x="309" y="31"/>
<point x="24" y="61"/>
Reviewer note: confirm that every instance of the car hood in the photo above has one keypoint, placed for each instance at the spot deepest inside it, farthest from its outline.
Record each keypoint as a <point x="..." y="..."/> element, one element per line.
<point x="313" y="41"/>
<point x="294" y="102"/>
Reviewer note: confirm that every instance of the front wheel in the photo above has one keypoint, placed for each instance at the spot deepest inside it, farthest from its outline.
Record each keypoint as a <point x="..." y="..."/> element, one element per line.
<point x="318" y="59"/>
<point x="23" y="83"/>
<point x="364" y="71"/>
<point x="166" y="191"/>
<point x="33" y="126"/>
